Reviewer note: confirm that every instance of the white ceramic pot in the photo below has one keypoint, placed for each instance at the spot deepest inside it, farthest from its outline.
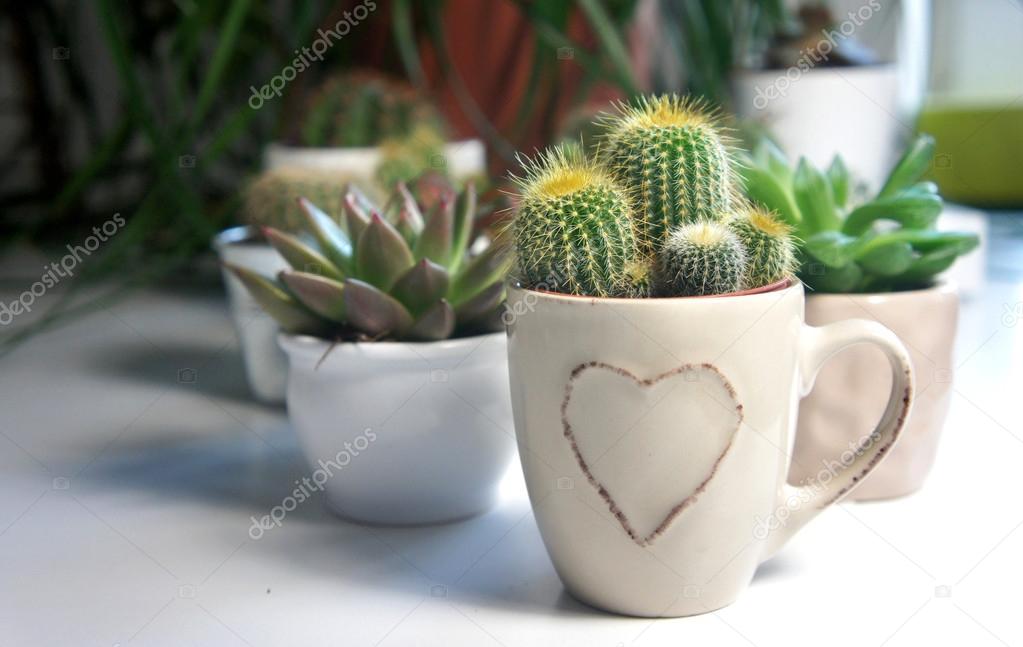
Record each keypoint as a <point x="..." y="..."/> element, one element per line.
<point x="403" y="433"/>
<point x="266" y="367"/>
<point x="851" y="390"/>
<point x="820" y="112"/>
<point x="464" y="158"/>
<point x="655" y="435"/>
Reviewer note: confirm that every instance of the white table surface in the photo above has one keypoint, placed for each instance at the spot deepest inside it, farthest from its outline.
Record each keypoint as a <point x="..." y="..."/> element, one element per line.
<point x="126" y="496"/>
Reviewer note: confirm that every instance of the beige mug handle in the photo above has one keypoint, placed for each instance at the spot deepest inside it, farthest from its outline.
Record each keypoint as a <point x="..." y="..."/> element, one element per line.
<point x="817" y="346"/>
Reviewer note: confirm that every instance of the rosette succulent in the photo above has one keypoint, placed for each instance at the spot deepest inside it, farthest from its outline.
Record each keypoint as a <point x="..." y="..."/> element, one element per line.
<point x="398" y="272"/>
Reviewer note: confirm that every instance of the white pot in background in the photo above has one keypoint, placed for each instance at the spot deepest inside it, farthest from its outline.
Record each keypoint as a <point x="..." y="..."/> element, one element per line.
<point x="403" y="432"/>
<point x="463" y="158"/>
<point x="265" y="363"/>
<point x="818" y="113"/>
<point x="655" y="433"/>
<point x="852" y="389"/>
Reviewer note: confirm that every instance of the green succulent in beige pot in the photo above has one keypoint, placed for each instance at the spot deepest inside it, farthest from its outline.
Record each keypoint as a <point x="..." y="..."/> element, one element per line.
<point x="397" y="381"/>
<point x="877" y="258"/>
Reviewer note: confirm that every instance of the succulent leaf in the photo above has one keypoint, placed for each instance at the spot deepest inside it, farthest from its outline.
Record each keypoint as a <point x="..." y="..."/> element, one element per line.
<point x="910" y="167"/>
<point x="331" y="238"/>
<point x="465" y="216"/>
<point x="382" y="254"/>
<point x="813" y="195"/>
<point x="301" y="256"/>
<point x="435" y="241"/>
<point x="482" y="304"/>
<point x="374" y="312"/>
<point x="409" y="219"/>
<point x="357" y="213"/>
<point x="436" y="323"/>
<point x="287" y="311"/>
<point x="320" y="294"/>
<point x="489" y="266"/>
<point x="421" y="286"/>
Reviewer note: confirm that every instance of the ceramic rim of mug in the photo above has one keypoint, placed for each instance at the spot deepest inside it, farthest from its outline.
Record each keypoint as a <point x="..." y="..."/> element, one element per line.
<point x="777" y="286"/>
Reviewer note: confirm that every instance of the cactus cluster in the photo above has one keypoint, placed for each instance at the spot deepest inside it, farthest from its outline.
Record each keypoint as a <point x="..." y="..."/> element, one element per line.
<point x="398" y="272"/>
<point x="654" y="213"/>
<point x="365" y="109"/>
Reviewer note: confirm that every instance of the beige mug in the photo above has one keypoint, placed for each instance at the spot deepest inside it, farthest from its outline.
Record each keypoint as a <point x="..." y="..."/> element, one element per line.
<point x="655" y="436"/>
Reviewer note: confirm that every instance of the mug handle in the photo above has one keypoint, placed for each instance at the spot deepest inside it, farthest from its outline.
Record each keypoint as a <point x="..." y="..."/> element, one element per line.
<point x="817" y="346"/>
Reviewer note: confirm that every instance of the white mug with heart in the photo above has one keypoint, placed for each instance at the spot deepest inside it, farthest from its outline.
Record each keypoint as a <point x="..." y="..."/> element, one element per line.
<point x="656" y="435"/>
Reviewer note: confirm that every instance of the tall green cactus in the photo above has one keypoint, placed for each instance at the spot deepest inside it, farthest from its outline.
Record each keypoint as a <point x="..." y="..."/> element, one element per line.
<point x="702" y="258"/>
<point x="673" y="156"/>
<point x="574" y="231"/>
<point x="770" y="250"/>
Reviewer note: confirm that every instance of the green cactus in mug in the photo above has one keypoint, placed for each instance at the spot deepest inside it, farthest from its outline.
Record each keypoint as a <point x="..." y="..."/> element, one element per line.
<point x="673" y="156"/>
<point x="702" y="258"/>
<point x="574" y="231"/>
<point x="767" y="241"/>
<point x="402" y="272"/>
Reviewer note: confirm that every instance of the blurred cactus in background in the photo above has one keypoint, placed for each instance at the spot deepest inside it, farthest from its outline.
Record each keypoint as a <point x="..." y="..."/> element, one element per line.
<point x="362" y="108"/>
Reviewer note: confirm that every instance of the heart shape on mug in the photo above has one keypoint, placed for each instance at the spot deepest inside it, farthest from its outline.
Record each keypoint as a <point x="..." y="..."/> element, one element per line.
<point x="650" y="447"/>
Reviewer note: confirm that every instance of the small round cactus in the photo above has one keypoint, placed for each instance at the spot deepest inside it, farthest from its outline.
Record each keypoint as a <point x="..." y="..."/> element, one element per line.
<point x="770" y="251"/>
<point x="673" y="156"/>
<point x="701" y="258"/>
<point x="271" y="200"/>
<point x="574" y="231"/>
